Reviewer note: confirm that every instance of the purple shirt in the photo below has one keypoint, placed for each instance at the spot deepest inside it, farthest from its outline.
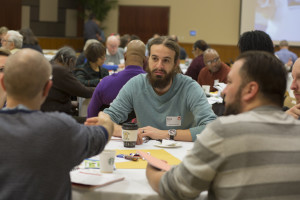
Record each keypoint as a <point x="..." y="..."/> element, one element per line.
<point x="109" y="87"/>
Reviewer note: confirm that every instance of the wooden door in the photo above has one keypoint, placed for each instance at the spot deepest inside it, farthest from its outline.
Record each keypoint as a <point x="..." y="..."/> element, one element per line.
<point x="143" y="21"/>
<point x="10" y="14"/>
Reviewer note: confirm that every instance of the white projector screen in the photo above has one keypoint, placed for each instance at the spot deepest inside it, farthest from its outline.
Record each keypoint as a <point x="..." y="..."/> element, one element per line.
<point x="279" y="18"/>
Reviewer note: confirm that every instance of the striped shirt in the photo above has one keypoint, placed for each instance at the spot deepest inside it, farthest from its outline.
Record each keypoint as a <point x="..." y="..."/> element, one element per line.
<point x="253" y="155"/>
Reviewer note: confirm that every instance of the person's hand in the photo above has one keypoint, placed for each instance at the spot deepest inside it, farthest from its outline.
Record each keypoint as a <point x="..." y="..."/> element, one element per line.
<point x="294" y="111"/>
<point x="153" y="133"/>
<point x="121" y="66"/>
<point x="104" y="120"/>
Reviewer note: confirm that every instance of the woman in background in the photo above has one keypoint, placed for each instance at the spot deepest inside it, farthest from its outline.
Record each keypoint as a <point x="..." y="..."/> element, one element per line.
<point x="92" y="71"/>
<point x="29" y="40"/>
<point x="65" y="85"/>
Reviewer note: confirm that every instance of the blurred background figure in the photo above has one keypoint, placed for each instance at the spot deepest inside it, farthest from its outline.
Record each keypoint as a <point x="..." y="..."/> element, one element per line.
<point x="124" y="40"/>
<point x="65" y="85"/>
<point x="92" y="29"/>
<point x="3" y="31"/>
<point x="183" y="54"/>
<point x="4" y="53"/>
<point x="197" y="64"/>
<point x="114" y="54"/>
<point x="29" y="40"/>
<point x="215" y="70"/>
<point x="285" y="55"/>
<point x="12" y="41"/>
<point x="81" y="58"/>
<point x="90" y="73"/>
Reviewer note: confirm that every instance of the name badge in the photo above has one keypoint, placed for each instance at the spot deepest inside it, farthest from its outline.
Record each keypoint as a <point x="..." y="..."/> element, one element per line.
<point x="173" y="121"/>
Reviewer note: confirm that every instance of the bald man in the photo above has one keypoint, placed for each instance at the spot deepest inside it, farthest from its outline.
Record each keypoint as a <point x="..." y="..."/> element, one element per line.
<point x="3" y="57"/>
<point x="114" y="54"/>
<point x="38" y="149"/>
<point x="295" y="86"/>
<point x="109" y="87"/>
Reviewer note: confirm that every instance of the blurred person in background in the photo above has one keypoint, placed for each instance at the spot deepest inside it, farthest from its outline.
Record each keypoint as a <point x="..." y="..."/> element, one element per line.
<point x="92" y="29"/>
<point x="197" y="64"/>
<point x="65" y="85"/>
<point x="114" y="54"/>
<point x="29" y="40"/>
<point x="81" y="58"/>
<point x="4" y="53"/>
<point x="91" y="73"/>
<point x="285" y="55"/>
<point x="12" y="41"/>
<point x="3" y="31"/>
<point x="183" y="54"/>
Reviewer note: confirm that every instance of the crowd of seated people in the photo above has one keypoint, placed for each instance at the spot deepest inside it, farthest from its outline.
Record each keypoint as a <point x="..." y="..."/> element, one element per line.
<point x="166" y="104"/>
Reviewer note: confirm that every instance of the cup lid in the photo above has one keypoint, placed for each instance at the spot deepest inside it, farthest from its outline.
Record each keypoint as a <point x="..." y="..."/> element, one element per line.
<point x="129" y="126"/>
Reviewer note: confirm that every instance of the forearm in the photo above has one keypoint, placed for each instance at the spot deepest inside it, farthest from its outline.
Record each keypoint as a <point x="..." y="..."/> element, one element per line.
<point x="154" y="176"/>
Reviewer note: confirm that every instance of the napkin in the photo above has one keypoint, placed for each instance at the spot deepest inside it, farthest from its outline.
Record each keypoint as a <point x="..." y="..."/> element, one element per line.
<point x="168" y="142"/>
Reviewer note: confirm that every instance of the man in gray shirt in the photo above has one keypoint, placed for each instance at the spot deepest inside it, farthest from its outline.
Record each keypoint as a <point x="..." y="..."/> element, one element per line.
<point x="38" y="149"/>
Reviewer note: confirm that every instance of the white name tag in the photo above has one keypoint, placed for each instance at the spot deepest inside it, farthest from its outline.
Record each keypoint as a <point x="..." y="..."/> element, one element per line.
<point x="173" y="121"/>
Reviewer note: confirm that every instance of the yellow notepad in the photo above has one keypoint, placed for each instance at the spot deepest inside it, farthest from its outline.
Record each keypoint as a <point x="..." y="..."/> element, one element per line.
<point x="141" y="164"/>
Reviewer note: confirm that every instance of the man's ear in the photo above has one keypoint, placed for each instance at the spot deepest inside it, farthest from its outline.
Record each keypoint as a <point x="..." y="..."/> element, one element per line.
<point x="2" y="81"/>
<point x="250" y="91"/>
<point x="47" y="88"/>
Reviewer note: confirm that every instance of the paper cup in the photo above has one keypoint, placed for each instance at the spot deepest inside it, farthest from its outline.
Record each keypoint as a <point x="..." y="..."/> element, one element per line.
<point x="206" y="88"/>
<point x="107" y="160"/>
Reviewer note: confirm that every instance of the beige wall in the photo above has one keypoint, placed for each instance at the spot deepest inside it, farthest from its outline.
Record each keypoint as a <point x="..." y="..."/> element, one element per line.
<point x="216" y="21"/>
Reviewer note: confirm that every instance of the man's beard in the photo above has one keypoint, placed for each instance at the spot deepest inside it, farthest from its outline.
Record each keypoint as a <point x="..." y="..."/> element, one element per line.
<point x="158" y="81"/>
<point x="235" y="107"/>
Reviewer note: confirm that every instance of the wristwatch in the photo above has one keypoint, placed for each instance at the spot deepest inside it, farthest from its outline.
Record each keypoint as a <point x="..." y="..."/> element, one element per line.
<point x="172" y="133"/>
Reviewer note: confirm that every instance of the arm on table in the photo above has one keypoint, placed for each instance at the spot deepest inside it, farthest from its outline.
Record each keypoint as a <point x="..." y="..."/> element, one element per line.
<point x="154" y="176"/>
<point x="154" y="133"/>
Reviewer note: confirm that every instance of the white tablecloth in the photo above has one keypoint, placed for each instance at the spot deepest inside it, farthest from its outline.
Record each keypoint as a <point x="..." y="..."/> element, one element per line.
<point x="135" y="186"/>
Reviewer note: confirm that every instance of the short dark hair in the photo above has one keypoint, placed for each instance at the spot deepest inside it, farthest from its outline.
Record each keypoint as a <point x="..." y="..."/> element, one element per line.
<point x="167" y="42"/>
<point x="94" y="51"/>
<point x="255" y="40"/>
<point x="201" y="44"/>
<point x="268" y="71"/>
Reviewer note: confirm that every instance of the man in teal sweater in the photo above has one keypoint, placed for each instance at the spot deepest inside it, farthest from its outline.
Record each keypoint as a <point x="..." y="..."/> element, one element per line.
<point x="167" y="104"/>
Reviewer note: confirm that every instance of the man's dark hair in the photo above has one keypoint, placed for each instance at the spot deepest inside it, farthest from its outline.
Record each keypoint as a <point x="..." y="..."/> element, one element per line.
<point x="94" y="51"/>
<point x="255" y="40"/>
<point x="268" y="71"/>
<point x="167" y="42"/>
<point x="201" y="44"/>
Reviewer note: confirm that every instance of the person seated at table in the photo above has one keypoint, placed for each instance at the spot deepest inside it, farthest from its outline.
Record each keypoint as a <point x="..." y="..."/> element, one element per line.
<point x="215" y="70"/>
<point x="248" y="154"/>
<point x="107" y="90"/>
<point x="29" y="40"/>
<point x="114" y="54"/>
<point x="38" y="149"/>
<point x="3" y="31"/>
<point x="90" y="73"/>
<point x="197" y="64"/>
<point x="167" y="103"/>
<point x="4" y="53"/>
<point x="295" y="86"/>
<point x="12" y="41"/>
<point x="65" y="85"/>
<point x="285" y="55"/>
<point x="81" y="58"/>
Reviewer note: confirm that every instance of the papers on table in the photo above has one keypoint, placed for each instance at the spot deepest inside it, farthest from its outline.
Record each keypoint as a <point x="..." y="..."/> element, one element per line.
<point x="91" y="178"/>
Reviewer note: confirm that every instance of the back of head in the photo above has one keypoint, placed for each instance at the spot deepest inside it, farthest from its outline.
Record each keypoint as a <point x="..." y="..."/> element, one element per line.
<point x="16" y="38"/>
<point x="26" y="74"/>
<point x="255" y="40"/>
<point x="200" y="44"/>
<point x="283" y="43"/>
<point x="3" y="30"/>
<point x="65" y="56"/>
<point x="268" y="71"/>
<point x="167" y="42"/>
<point x="95" y="51"/>
<point x="135" y="53"/>
<point x="88" y="42"/>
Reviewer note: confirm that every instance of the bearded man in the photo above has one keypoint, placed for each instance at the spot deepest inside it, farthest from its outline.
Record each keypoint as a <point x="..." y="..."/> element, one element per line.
<point x="250" y="154"/>
<point x="167" y="104"/>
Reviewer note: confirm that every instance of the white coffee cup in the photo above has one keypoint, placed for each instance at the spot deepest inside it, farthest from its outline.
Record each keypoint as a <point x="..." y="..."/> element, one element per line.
<point x="206" y="88"/>
<point x="107" y="161"/>
<point x="129" y="134"/>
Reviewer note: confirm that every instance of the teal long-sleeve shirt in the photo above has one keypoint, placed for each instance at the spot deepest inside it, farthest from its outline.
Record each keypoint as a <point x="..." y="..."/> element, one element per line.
<point x="184" y="101"/>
